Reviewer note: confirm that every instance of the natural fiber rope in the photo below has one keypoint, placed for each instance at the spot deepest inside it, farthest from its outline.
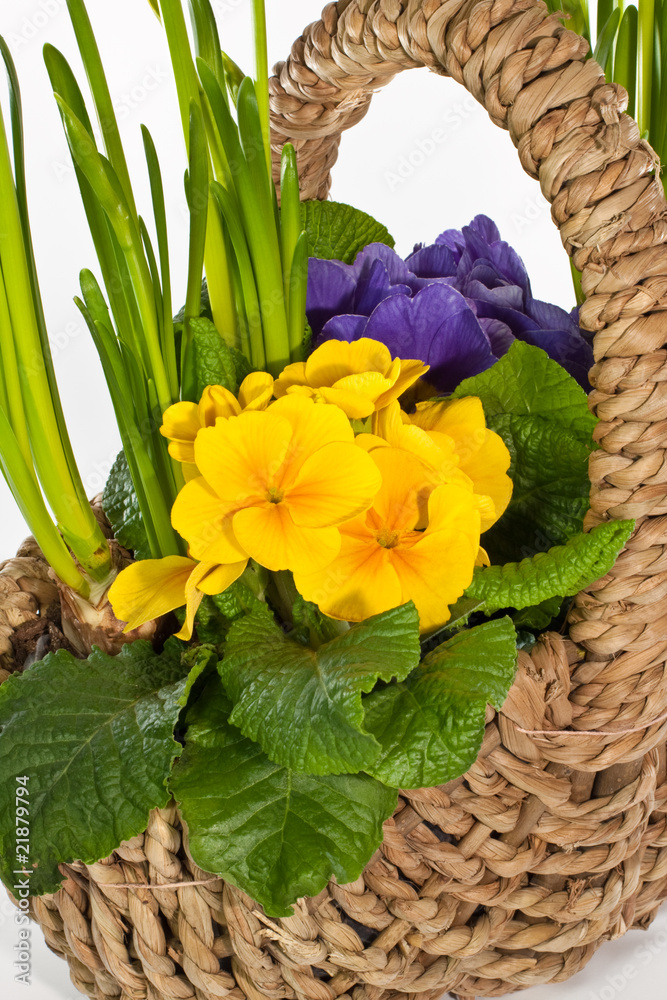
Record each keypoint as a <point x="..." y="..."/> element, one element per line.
<point x="514" y="874"/>
<point x="593" y="732"/>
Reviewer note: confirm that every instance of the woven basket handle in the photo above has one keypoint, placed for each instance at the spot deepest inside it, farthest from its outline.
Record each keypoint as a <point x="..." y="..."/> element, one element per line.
<point x="532" y="75"/>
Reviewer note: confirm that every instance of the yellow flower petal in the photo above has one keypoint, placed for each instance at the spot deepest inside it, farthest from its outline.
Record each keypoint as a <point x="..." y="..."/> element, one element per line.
<point x="369" y="442"/>
<point x="368" y="384"/>
<point x="434" y="573"/>
<point x="313" y="426"/>
<point x="410" y="372"/>
<point x="190" y="470"/>
<point x="335" y="359"/>
<point x="272" y="539"/>
<point x="180" y="424"/>
<point x="463" y="419"/>
<point x="182" y="451"/>
<point x="206" y="578"/>
<point x="242" y="457"/>
<point x="389" y="424"/>
<point x="181" y="421"/>
<point x="482" y="558"/>
<point x="216" y="401"/>
<point x="149" y="589"/>
<point x="483" y="455"/>
<point x="405" y="485"/>
<point x="359" y="583"/>
<point x="199" y="516"/>
<point x="256" y="391"/>
<point x="218" y="578"/>
<point x="333" y="485"/>
<point x="353" y="404"/>
<point x="488" y="471"/>
<point x="292" y="375"/>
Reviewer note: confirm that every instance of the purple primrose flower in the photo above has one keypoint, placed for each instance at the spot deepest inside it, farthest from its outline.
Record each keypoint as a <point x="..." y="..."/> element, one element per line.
<point x="457" y="305"/>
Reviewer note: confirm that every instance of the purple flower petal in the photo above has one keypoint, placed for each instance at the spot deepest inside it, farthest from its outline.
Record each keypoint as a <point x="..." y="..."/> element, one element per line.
<point x="331" y="290"/>
<point x="373" y="286"/>
<point x="437" y="325"/>
<point x="437" y="261"/>
<point x="347" y="327"/>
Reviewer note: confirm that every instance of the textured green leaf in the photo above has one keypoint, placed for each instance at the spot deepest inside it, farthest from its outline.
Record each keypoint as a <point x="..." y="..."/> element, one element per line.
<point x="216" y="614"/>
<point x="338" y="232"/>
<point x="202" y="661"/>
<point x="121" y="506"/>
<point x="542" y="415"/>
<point x="276" y="834"/>
<point x="432" y="726"/>
<point x="562" y="571"/>
<point x="95" y="739"/>
<point x="214" y="362"/>
<point x="303" y="706"/>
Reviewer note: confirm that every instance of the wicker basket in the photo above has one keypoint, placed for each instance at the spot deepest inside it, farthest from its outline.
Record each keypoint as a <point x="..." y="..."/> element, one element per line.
<point x="556" y="839"/>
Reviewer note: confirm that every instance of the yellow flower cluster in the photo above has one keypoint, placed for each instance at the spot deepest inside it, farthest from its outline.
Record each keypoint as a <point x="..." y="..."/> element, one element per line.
<point x="365" y="522"/>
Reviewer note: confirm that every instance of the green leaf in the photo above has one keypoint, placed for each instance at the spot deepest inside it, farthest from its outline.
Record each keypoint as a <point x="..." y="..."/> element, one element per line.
<point x="562" y="571"/>
<point x="338" y="232"/>
<point x="121" y="506"/>
<point x="202" y="661"/>
<point x="606" y="37"/>
<point x="543" y="417"/>
<point x="214" y="362"/>
<point x="276" y="834"/>
<point x="217" y="614"/>
<point x="304" y="706"/>
<point x="432" y="726"/>
<point x="539" y="617"/>
<point x="95" y="739"/>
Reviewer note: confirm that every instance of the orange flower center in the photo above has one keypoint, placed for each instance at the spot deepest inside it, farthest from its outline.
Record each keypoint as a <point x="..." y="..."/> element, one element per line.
<point x="388" y="539"/>
<point x="275" y="495"/>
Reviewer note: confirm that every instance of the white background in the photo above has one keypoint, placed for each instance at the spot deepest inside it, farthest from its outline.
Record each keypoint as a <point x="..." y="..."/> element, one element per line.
<point x="425" y="159"/>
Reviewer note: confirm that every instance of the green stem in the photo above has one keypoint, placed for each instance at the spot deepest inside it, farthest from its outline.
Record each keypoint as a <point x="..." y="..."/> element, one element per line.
<point x="262" y="77"/>
<point x="90" y="55"/>
<point x="62" y="484"/>
<point x="646" y="13"/>
<point x="26" y="493"/>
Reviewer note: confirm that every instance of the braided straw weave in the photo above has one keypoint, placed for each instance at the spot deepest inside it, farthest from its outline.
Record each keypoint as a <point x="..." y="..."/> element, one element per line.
<point x="556" y="839"/>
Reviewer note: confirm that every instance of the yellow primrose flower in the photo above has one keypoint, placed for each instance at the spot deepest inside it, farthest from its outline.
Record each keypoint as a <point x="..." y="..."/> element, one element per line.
<point x="384" y="561"/>
<point x="453" y="442"/>
<point x="153" y="587"/>
<point x="275" y="486"/>
<point x="360" y="376"/>
<point x="183" y="421"/>
<point x="482" y="454"/>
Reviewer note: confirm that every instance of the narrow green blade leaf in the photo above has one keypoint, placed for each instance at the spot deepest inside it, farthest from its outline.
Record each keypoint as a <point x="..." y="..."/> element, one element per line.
<point x="99" y="88"/>
<point x="606" y="38"/>
<point x="625" y="59"/>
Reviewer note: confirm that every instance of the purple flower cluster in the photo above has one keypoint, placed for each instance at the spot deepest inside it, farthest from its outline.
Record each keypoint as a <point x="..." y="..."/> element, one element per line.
<point x="457" y="305"/>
